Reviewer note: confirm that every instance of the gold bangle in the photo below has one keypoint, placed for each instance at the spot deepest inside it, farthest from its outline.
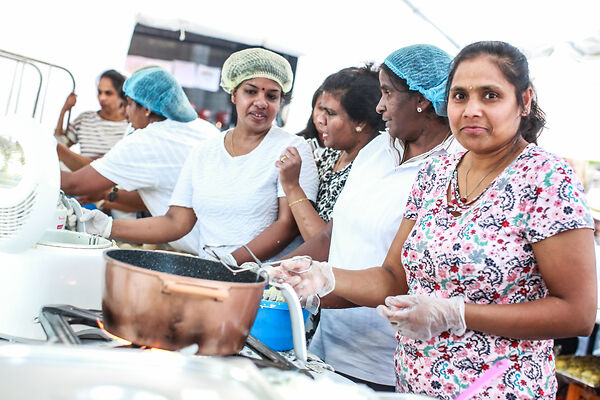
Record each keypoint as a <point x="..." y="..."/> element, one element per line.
<point x="297" y="201"/>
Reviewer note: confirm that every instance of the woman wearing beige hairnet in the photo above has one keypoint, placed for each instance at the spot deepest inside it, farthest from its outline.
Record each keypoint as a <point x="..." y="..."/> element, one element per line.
<point x="230" y="184"/>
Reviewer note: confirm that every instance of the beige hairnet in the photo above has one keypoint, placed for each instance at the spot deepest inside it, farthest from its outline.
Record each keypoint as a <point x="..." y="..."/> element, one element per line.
<point x="256" y="63"/>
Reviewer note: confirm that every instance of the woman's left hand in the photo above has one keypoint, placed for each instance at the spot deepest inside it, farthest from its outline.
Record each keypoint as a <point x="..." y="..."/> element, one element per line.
<point x="423" y="317"/>
<point x="289" y="165"/>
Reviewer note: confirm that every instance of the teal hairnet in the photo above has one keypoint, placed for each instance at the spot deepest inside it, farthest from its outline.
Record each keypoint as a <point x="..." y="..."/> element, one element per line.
<point x="256" y="63"/>
<point x="158" y="91"/>
<point x="425" y="69"/>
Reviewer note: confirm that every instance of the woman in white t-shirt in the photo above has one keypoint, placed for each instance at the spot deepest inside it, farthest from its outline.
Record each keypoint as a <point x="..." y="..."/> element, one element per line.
<point x="356" y="341"/>
<point x="142" y="169"/>
<point x="230" y="185"/>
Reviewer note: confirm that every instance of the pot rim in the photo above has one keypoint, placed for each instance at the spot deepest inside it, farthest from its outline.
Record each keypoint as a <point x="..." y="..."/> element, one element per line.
<point x="166" y="276"/>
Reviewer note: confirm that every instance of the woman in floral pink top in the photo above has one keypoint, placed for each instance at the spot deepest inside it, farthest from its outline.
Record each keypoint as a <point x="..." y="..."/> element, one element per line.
<point x="486" y="255"/>
<point x="494" y="257"/>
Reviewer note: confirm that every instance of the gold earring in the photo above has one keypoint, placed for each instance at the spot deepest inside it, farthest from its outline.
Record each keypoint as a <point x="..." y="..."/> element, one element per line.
<point x="419" y="109"/>
<point x="358" y="129"/>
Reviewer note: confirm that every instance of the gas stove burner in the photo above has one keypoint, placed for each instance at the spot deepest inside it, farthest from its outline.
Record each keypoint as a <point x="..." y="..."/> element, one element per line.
<point x="57" y="322"/>
<point x="60" y="323"/>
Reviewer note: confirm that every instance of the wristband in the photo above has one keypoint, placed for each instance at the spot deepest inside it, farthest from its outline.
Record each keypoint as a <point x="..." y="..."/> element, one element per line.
<point x="112" y="196"/>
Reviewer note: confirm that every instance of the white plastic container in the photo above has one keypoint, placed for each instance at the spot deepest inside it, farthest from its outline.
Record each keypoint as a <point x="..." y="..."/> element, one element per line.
<point x="62" y="268"/>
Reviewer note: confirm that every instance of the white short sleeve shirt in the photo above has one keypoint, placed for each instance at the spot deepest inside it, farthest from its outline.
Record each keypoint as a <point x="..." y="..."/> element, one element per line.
<point x="367" y="215"/>
<point x="149" y="160"/>
<point x="236" y="198"/>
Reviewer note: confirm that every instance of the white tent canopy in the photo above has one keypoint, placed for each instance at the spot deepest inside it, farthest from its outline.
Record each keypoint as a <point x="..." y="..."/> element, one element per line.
<point x="328" y="35"/>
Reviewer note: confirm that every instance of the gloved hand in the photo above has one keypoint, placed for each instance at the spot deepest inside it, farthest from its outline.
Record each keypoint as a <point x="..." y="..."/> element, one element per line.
<point x="423" y="317"/>
<point x="307" y="277"/>
<point x="228" y="259"/>
<point x="97" y="223"/>
<point x="71" y="220"/>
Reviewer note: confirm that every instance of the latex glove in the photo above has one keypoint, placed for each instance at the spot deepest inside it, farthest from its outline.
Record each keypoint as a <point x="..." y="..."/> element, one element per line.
<point x="71" y="220"/>
<point x="317" y="280"/>
<point x="423" y="317"/>
<point x="97" y="223"/>
<point x="229" y="259"/>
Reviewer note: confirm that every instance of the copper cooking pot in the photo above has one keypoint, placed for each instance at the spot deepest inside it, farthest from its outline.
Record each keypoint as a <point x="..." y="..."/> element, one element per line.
<point x="170" y="301"/>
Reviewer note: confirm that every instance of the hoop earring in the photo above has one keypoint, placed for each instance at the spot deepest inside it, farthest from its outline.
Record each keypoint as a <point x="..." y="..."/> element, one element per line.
<point x="419" y="109"/>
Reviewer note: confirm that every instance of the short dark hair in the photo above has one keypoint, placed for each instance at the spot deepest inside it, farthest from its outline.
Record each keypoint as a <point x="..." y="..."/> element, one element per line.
<point x="513" y="65"/>
<point x="117" y="79"/>
<point x="357" y="89"/>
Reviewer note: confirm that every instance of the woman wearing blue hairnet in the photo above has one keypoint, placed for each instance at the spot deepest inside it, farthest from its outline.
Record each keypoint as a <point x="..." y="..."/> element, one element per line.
<point x="357" y="342"/>
<point x="229" y="185"/>
<point x="146" y="163"/>
<point x="495" y="255"/>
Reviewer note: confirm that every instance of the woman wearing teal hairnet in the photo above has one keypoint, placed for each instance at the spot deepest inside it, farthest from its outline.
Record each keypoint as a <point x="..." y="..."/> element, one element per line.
<point x="148" y="161"/>
<point x="495" y="253"/>
<point x="356" y="341"/>
<point x="229" y="186"/>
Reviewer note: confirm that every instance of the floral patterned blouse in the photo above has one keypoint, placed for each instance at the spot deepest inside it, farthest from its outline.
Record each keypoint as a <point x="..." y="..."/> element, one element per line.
<point x="485" y="255"/>
<point x="330" y="183"/>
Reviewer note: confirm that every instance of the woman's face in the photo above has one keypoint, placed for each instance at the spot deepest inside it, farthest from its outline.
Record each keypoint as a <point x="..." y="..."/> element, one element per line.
<point x="395" y="107"/>
<point x="317" y="110"/>
<point x="338" y="129"/>
<point x="107" y="95"/>
<point x="482" y="107"/>
<point x="136" y="114"/>
<point x="257" y="102"/>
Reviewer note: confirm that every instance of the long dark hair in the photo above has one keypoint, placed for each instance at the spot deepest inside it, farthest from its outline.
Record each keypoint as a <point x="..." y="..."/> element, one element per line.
<point x="513" y="65"/>
<point x="310" y="131"/>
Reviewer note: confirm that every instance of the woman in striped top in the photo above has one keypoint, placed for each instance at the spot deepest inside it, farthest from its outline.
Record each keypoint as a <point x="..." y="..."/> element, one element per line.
<point x="96" y="131"/>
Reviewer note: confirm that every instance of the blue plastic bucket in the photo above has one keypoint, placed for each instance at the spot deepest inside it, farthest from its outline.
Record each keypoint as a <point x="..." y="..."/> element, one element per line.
<point x="272" y="325"/>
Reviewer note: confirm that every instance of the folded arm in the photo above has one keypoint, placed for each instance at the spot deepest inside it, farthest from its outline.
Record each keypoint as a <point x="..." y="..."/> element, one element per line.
<point x="308" y="220"/>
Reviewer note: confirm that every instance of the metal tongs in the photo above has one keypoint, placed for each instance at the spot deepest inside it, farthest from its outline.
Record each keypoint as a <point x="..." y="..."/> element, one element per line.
<point x="257" y="266"/>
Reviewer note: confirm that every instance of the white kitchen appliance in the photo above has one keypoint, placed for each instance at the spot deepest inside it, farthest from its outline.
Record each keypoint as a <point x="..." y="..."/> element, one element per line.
<point x="39" y="264"/>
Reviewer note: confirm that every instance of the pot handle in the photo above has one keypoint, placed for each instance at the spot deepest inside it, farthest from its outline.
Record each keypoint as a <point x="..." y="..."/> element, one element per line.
<point x="298" y="330"/>
<point x="218" y="294"/>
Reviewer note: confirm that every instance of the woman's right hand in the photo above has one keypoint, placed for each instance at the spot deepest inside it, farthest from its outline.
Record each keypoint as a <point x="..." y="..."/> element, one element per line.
<point x="70" y="102"/>
<point x="289" y="165"/>
<point x="96" y="222"/>
<point x="307" y="277"/>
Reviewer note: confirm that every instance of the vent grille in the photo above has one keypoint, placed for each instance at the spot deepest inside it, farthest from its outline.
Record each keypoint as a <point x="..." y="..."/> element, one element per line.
<point x="12" y="219"/>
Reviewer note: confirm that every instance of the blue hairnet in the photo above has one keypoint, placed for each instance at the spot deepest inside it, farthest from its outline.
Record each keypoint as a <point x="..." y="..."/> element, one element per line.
<point x="425" y="69"/>
<point x="158" y="91"/>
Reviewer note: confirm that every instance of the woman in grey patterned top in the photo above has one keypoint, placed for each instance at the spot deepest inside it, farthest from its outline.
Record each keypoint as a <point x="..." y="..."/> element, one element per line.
<point x="347" y="117"/>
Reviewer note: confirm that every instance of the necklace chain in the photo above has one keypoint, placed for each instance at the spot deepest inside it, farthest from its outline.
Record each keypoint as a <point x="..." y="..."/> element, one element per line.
<point x="338" y="162"/>
<point x="443" y="140"/>
<point x="504" y="158"/>
<point x="232" y="146"/>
